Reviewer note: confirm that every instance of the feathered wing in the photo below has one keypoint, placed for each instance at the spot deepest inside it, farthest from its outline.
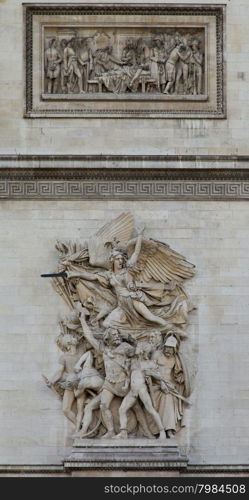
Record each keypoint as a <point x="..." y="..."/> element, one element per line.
<point x="120" y="228"/>
<point x="159" y="262"/>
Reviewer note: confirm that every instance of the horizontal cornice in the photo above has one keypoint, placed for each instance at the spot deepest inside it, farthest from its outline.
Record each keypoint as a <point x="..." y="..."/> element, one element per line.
<point x="131" y="177"/>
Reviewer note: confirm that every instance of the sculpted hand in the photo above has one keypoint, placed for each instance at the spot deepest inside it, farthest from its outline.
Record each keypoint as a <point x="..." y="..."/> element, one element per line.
<point x="102" y="280"/>
<point x="164" y="388"/>
<point x="47" y="381"/>
<point x="141" y="230"/>
<point x="78" y="307"/>
<point x="94" y="322"/>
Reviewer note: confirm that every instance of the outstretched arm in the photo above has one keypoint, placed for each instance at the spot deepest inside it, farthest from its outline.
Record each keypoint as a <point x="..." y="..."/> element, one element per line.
<point x="88" y="333"/>
<point x="88" y="276"/>
<point x="56" y="376"/>
<point x="116" y="61"/>
<point x="87" y="356"/>
<point x="133" y="259"/>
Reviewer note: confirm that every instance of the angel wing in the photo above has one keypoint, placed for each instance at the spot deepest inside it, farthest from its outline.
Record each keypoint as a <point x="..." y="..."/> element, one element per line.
<point x="120" y="228"/>
<point x="159" y="262"/>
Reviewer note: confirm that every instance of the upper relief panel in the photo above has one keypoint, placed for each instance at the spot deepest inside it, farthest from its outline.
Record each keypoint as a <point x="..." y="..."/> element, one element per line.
<point x="124" y="61"/>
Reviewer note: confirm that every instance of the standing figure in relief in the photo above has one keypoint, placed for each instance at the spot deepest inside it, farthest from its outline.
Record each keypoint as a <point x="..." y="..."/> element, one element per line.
<point x="196" y="62"/>
<point x="141" y="368"/>
<point x="90" y="379"/>
<point x="52" y="60"/>
<point x="170" y="394"/>
<point x="86" y="61"/>
<point x="71" y="68"/>
<point x="158" y="59"/>
<point x="66" y="376"/>
<point x="177" y="54"/>
<point x="64" y="74"/>
<point x="116" y="356"/>
<point x="183" y="67"/>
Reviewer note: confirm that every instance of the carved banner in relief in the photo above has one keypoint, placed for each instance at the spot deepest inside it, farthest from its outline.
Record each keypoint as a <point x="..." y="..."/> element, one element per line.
<point x="122" y="373"/>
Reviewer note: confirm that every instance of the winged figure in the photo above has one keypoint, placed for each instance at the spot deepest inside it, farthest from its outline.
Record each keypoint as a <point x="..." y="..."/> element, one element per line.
<point x="125" y="280"/>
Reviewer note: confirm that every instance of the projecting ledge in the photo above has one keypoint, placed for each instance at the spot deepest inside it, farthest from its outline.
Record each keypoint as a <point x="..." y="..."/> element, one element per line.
<point x="126" y="454"/>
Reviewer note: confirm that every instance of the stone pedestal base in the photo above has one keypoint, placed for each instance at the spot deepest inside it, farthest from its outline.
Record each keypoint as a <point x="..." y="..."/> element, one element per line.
<point x="127" y="454"/>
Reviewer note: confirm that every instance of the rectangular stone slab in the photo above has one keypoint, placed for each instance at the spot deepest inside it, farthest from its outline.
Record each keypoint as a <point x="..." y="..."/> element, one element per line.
<point x="126" y="454"/>
<point x="78" y="77"/>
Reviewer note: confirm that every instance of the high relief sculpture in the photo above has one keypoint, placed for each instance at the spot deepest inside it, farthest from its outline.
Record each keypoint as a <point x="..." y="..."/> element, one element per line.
<point x="122" y="373"/>
<point x="167" y="62"/>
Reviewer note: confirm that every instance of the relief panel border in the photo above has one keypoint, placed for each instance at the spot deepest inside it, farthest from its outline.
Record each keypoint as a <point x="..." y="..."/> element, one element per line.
<point x="118" y="109"/>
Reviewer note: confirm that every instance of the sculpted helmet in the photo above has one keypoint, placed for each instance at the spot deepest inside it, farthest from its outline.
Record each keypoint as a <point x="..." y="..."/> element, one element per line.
<point x="170" y="342"/>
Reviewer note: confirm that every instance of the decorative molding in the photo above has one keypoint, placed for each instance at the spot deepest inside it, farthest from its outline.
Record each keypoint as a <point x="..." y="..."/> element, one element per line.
<point x="124" y="177"/>
<point x="128" y="190"/>
<point x="107" y="105"/>
<point x="125" y="465"/>
<point x="216" y="470"/>
<point x="125" y="455"/>
<point x="103" y="160"/>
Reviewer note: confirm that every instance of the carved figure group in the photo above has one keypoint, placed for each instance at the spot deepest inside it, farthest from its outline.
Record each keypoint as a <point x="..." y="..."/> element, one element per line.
<point x="121" y="373"/>
<point x="162" y="63"/>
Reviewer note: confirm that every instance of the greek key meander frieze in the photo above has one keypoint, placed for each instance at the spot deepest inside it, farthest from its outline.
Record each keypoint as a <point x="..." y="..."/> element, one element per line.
<point x="77" y="189"/>
<point x="125" y="61"/>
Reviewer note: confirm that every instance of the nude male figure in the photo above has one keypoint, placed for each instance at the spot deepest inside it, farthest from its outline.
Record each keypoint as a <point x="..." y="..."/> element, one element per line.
<point x="71" y="68"/>
<point x="116" y="356"/>
<point x="141" y="367"/>
<point x="52" y="60"/>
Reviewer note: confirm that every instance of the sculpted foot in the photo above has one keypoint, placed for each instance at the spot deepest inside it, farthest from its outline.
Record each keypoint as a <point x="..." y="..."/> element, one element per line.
<point x="76" y="434"/>
<point x="123" y="434"/>
<point x="107" y="435"/>
<point x="170" y="434"/>
<point x="149" y="435"/>
<point x="162" y="435"/>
